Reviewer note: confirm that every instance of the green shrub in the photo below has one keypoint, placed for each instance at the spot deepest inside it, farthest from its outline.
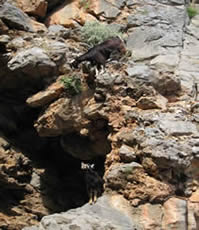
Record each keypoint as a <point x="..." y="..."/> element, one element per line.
<point x="95" y="32"/>
<point x="192" y="11"/>
<point x="72" y="84"/>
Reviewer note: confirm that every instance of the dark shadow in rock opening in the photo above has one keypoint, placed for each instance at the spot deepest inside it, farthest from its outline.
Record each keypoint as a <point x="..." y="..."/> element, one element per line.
<point x="61" y="184"/>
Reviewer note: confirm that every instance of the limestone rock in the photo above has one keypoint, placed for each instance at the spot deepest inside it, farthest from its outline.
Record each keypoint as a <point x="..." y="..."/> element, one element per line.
<point x="140" y="72"/>
<point x="177" y="127"/>
<point x="15" y="18"/>
<point x="188" y="65"/>
<point x="33" y="62"/>
<point x="165" y="62"/>
<point x="107" y="213"/>
<point x="152" y="33"/>
<point x="105" y="8"/>
<point x="58" y="31"/>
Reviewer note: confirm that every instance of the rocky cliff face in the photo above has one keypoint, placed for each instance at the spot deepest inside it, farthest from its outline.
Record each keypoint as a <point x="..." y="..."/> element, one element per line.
<point x="138" y="121"/>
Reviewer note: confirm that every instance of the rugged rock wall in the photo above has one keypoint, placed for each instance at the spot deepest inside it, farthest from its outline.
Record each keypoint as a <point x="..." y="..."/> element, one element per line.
<point x="138" y="121"/>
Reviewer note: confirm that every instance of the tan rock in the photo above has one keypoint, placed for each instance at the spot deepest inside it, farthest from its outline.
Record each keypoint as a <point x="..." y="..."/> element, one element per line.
<point x="146" y="188"/>
<point x="148" y="216"/>
<point x="38" y="27"/>
<point x="195" y="197"/>
<point x="174" y="217"/>
<point x="33" y="7"/>
<point x="64" y="115"/>
<point x="44" y="97"/>
<point x="156" y="102"/>
<point x="67" y="15"/>
<point x="193" y="215"/>
<point x="3" y="27"/>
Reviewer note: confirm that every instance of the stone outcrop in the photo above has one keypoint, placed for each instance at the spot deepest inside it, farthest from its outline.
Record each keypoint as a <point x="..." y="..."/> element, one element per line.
<point x="101" y="215"/>
<point x="137" y="121"/>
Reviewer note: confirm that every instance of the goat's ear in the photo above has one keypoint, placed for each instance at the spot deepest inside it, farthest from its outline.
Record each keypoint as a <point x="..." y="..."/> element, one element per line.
<point x="92" y="166"/>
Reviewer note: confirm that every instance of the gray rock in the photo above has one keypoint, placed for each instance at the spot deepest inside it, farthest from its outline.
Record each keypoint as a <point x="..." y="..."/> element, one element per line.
<point x="153" y="32"/>
<point x="15" y="18"/>
<point x="177" y="127"/>
<point x="105" y="80"/>
<point x="195" y="151"/>
<point x="166" y="84"/>
<point x="58" y="30"/>
<point x="169" y="153"/>
<point x="188" y="67"/>
<point x="31" y="228"/>
<point x="166" y="62"/>
<point x="4" y="39"/>
<point x="127" y="154"/>
<point x="33" y="62"/>
<point x="140" y="72"/>
<point x="17" y="43"/>
<point x="119" y="171"/>
<point x="108" y="9"/>
<point x="56" y="50"/>
<point x="102" y="215"/>
<point x="140" y="50"/>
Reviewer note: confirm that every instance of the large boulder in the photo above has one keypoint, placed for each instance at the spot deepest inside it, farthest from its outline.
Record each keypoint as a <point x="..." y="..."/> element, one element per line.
<point x="15" y="18"/>
<point x="32" y="62"/>
<point x="107" y="213"/>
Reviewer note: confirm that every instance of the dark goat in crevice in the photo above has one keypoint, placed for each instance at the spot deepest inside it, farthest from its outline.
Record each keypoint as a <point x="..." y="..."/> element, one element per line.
<point x="94" y="182"/>
<point x="99" y="54"/>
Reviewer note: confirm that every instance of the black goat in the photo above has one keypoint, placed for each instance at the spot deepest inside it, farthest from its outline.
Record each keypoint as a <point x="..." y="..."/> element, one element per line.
<point x="98" y="54"/>
<point x="94" y="183"/>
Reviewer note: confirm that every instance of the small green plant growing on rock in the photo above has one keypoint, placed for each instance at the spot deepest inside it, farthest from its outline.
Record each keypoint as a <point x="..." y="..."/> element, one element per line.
<point x="192" y="11"/>
<point x="72" y="84"/>
<point x="95" y="32"/>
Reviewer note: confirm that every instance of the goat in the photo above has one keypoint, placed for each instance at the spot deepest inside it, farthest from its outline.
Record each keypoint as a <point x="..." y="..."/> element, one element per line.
<point x="94" y="183"/>
<point x="98" y="54"/>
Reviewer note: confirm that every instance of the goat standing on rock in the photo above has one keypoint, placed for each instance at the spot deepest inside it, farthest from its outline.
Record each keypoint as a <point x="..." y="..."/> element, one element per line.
<point x="94" y="183"/>
<point x="99" y="54"/>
